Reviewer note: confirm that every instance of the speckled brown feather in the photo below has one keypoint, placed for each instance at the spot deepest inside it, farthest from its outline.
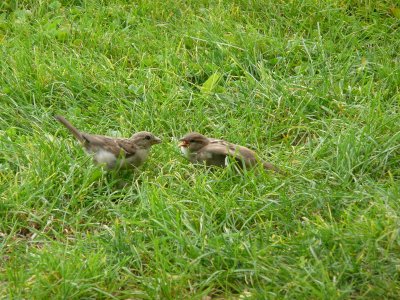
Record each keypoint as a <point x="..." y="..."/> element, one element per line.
<point x="215" y="151"/>
<point x="114" y="152"/>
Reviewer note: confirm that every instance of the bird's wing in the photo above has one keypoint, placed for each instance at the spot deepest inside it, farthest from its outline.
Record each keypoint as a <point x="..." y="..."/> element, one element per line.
<point x="217" y="151"/>
<point x="220" y="149"/>
<point x="113" y="145"/>
<point x="128" y="146"/>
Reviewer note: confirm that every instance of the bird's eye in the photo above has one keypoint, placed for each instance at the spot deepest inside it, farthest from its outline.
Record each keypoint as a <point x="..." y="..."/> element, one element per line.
<point x="192" y="141"/>
<point x="147" y="137"/>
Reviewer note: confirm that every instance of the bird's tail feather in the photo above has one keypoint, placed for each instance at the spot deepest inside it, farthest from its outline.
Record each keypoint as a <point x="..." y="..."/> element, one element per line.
<point x="70" y="127"/>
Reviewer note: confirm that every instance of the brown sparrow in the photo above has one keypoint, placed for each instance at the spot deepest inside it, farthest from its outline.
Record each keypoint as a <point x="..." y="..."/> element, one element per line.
<point x="214" y="152"/>
<point x="113" y="152"/>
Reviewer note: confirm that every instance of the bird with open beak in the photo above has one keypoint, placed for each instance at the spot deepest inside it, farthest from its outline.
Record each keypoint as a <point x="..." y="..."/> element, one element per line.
<point x="215" y="152"/>
<point x="114" y="153"/>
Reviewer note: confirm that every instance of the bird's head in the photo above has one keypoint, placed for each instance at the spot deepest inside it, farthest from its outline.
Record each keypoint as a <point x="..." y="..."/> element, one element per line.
<point x="145" y="139"/>
<point x="193" y="142"/>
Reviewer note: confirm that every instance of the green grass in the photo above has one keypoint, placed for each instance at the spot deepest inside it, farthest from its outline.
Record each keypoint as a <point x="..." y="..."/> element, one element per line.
<point x="313" y="86"/>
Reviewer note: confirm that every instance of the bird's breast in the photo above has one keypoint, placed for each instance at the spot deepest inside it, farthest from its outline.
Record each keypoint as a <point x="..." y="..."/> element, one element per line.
<point x="105" y="157"/>
<point x="142" y="153"/>
<point x="137" y="159"/>
<point x="185" y="151"/>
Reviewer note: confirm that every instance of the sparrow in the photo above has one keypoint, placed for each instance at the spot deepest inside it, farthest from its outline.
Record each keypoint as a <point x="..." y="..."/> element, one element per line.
<point x="215" y="152"/>
<point x="114" y="153"/>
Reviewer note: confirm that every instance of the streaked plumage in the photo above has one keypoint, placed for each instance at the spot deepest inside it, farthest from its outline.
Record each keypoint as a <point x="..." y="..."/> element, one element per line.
<point x="113" y="152"/>
<point x="215" y="152"/>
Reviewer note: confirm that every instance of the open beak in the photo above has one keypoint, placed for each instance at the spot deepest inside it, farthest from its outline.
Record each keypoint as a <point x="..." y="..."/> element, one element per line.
<point x="183" y="143"/>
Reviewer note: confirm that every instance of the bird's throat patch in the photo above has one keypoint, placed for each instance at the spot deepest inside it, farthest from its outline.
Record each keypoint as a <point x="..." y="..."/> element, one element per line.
<point x="185" y="151"/>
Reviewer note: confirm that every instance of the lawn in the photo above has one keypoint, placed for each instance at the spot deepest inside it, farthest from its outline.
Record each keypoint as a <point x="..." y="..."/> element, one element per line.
<point x="312" y="86"/>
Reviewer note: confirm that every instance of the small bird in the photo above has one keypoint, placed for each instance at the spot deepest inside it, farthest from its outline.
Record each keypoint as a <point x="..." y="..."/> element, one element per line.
<point x="215" y="152"/>
<point x="114" y="153"/>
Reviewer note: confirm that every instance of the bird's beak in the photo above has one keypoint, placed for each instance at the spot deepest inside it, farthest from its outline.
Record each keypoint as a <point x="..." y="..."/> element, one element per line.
<point x="157" y="140"/>
<point x="183" y="143"/>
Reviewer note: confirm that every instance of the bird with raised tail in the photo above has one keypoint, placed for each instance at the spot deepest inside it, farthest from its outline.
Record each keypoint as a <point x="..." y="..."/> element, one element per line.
<point x="114" y="153"/>
<point x="215" y="152"/>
